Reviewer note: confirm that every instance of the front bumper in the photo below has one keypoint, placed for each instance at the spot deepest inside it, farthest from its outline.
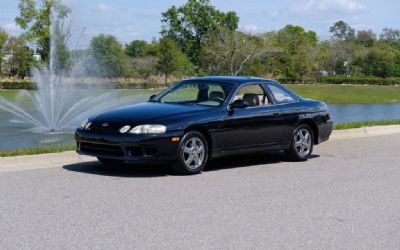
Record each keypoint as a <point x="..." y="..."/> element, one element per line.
<point x="324" y="131"/>
<point x="134" y="148"/>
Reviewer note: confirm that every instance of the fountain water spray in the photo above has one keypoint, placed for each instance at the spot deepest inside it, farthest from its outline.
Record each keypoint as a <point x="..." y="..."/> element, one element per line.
<point x="58" y="105"/>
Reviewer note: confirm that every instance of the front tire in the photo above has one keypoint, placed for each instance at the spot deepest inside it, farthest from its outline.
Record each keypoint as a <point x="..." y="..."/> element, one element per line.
<point x="110" y="162"/>
<point x="192" y="155"/>
<point x="302" y="144"/>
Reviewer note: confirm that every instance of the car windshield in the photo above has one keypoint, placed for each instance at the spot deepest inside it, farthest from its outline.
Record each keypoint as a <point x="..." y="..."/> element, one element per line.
<point x="196" y="92"/>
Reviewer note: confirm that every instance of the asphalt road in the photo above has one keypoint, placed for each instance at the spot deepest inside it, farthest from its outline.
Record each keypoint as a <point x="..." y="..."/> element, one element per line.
<point x="346" y="197"/>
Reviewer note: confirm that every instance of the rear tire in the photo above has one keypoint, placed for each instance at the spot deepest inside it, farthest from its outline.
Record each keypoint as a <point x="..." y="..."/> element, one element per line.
<point x="192" y="155"/>
<point x="302" y="144"/>
<point x="110" y="162"/>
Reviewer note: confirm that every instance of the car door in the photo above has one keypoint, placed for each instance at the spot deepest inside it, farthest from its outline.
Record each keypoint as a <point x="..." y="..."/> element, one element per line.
<point x="257" y="125"/>
<point x="289" y="108"/>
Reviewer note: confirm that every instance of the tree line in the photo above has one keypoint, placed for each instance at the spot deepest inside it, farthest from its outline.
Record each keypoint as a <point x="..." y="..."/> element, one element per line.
<point x="198" y="39"/>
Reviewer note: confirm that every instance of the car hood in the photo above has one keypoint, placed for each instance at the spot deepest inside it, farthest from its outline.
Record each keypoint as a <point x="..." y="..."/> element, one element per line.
<point x="145" y="112"/>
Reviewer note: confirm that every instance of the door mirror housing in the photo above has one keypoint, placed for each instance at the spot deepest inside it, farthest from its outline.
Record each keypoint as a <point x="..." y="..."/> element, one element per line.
<point x="151" y="98"/>
<point x="239" y="104"/>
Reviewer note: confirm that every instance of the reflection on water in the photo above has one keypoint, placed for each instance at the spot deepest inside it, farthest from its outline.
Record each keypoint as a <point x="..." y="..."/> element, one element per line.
<point x="17" y="135"/>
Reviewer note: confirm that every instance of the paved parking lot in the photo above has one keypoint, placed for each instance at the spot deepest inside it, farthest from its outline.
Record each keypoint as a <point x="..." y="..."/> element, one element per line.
<point x="346" y="197"/>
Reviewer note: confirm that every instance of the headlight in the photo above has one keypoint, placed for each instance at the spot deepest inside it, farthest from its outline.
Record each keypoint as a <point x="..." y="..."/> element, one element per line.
<point x="86" y="124"/>
<point x="148" y="129"/>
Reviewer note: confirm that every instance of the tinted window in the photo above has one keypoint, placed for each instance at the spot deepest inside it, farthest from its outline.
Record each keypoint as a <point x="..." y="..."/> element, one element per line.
<point x="201" y="92"/>
<point x="281" y="95"/>
<point x="253" y="94"/>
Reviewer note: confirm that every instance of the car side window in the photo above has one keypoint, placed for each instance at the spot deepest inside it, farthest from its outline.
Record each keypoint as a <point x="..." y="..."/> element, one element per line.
<point x="253" y="94"/>
<point x="280" y="95"/>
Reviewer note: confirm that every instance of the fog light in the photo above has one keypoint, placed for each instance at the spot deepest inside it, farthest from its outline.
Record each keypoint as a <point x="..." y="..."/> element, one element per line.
<point x="124" y="129"/>
<point x="175" y="139"/>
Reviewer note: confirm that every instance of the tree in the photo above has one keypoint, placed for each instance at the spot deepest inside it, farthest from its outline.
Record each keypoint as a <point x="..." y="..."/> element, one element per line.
<point x="36" y="21"/>
<point x="137" y="48"/>
<point x="340" y="57"/>
<point x="109" y="56"/>
<point x="3" y="40"/>
<point x="366" y="38"/>
<point x="379" y="62"/>
<point x="171" y="59"/>
<point x="342" y="31"/>
<point x="189" y="25"/>
<point x="391" y="35"/>
<point x="20" y="57"/>
<point x="60" y="57"/>
<point x="298" y="55"/>
<point x="228" y="52"/>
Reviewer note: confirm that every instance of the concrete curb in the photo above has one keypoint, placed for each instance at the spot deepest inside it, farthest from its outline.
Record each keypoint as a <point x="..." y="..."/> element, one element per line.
<point x="20" y="163"/>
<point x="28" y="162"/>
<point x="365" y="132"/>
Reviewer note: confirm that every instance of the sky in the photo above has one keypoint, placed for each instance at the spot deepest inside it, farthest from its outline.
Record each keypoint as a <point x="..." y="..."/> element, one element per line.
<point x="137" y="19"/>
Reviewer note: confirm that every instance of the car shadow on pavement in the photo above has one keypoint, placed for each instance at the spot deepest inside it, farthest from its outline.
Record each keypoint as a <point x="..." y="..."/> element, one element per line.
<point x="126" y="170"/>
<point x="148" y="171"/>
<point x="248" y="160"/>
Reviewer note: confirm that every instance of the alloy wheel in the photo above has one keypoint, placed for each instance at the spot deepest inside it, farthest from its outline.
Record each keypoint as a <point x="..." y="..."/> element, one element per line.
<point x="193" y="153"/>
<point x="302" y="142"/>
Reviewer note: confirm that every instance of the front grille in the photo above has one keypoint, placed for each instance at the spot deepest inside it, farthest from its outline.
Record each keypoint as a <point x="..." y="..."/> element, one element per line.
<point x="101" y="149"/>
<point x="96" y="129"/>
<point x="105" y="128"/>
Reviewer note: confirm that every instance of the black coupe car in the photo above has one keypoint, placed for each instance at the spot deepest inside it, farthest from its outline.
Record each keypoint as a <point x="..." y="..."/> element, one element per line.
<point x="207" y="117"/>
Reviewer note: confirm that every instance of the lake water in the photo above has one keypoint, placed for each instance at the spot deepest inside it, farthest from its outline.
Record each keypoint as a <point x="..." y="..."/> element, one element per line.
<point x="16" y="135"/>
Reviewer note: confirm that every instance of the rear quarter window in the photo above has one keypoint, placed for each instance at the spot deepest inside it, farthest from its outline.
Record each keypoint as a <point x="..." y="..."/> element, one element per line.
<point x="281" y="95"/>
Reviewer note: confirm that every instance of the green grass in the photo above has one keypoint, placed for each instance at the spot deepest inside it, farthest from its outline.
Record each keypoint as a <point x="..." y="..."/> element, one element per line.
<point x="9" y="94"/>
<point x="35" y="151"/>
<point x="349" y="93"/>
<point x="349" y="125"/>
<point x="328" y="93"/>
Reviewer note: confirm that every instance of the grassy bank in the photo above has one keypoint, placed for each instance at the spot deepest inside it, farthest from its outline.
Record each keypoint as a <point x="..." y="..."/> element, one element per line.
<point x="36" y="151"/>
<point x="329" y="93"/>
<point x="348" y="93"/>
<point x="349" y="125"/>
<point x="9" y="94"/>
<point x="72" y="147"/>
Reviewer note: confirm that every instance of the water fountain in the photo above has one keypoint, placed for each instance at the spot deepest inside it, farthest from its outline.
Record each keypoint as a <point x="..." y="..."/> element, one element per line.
<point x="58" y="105"/>
<point x="49" y="115"/>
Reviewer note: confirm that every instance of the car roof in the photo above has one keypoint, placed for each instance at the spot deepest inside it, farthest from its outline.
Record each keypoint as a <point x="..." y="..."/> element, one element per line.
<point x="232" y="79"/>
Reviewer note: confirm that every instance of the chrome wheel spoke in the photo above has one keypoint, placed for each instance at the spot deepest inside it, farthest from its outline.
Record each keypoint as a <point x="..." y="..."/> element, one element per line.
<point x="189" y="160"/>
<point x="196" y="160"/>
<point x="187" y="150"/>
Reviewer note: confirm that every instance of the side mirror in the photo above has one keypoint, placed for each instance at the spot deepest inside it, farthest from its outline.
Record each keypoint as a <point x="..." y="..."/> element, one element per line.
<point x="238" y="104"/>
<point x="151" y="98"/>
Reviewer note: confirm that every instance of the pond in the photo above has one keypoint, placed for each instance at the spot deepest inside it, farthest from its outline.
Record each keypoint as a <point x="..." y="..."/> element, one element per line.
<point x="17" y="135"/>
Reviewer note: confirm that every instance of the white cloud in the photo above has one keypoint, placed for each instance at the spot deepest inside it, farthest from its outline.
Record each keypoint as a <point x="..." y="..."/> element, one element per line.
<point x="329" y="5"/>
<point x="250" y="28"/>
<point x="70" y="3"/>
<point x="104" y="7"/>
<point x="12" y="28"/>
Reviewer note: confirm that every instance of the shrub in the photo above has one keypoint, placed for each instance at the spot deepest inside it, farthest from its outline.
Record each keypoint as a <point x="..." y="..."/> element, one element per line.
<point x="17" y="85"/>
<point x="344" y="80"/>
<point x="360" y="80"/>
